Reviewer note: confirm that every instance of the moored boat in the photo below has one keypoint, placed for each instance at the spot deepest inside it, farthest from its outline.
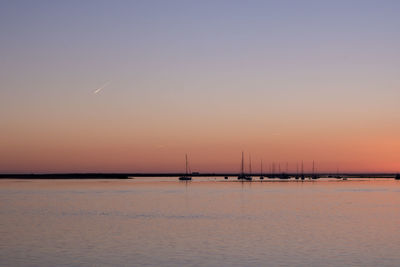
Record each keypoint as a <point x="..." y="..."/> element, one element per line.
<point x="242" y="176"/>
<point x="186" y="177"/>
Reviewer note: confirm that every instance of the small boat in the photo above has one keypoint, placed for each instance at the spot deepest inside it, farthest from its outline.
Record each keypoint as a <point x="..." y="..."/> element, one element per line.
<point x="226" y="177"/>
<point x="302" y="176"/>
<point x="186" y="177"/>
<point x="337" y="176"/>
<point x="397" y="177"/>
<point x="245" y="177"/>
<point x="242" y="176"/>
<point x="314" y="175"/>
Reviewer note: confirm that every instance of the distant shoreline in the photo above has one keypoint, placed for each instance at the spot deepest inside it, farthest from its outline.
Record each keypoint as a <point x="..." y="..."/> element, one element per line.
<point x="65" y="176"/>
<point x="132" y="175"/>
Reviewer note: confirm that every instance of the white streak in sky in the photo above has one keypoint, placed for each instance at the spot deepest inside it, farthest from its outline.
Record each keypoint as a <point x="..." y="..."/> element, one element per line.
<point x="101" y="88"/>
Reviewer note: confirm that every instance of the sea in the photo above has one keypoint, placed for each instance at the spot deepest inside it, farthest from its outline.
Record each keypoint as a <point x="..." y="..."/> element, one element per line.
<point x="204" y="222"/>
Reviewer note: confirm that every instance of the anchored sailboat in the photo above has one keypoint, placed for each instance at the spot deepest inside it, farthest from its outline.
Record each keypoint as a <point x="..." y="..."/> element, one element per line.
<point x="242" y="175"/>
<point x="186" y="177"/>
<point x="314" y="173"/>
<point x="337" y="176"/>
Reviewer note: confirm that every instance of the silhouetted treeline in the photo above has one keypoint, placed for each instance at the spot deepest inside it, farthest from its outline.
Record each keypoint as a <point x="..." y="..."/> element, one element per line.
<point x="194" y="174"/>
<point x="66" y="176"/>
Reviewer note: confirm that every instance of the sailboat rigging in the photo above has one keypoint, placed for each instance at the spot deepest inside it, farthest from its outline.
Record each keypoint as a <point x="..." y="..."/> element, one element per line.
<point x="242" y="176"/>
<point x="186" y="177"/>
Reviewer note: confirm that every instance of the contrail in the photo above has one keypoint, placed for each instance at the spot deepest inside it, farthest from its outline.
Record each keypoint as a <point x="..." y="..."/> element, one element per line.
<point x="101" y="88"/>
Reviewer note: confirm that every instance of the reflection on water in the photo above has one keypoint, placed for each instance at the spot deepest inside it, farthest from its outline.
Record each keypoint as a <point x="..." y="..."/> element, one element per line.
<point x="206" y="222"/>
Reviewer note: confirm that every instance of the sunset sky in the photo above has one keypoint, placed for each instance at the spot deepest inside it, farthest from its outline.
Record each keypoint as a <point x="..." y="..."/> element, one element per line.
<point x="131" y="86"/>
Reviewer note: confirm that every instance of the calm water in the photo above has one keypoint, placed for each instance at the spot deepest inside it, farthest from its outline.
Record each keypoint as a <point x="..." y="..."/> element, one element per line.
<point x="163" y="222"/>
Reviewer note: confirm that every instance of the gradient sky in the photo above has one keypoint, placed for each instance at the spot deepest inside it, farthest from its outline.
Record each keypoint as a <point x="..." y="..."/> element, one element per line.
<point x="283" y="80"/>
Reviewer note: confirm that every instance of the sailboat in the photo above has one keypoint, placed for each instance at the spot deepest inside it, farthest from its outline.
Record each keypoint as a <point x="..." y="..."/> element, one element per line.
<point x="272" y="175"/>
<point x="186" y="177"/>
<point x="242" y="175"/>
<point x="283" y="174"/>
<point x="261" y="172"/>
<point x="337" y="176"/>
<point x="314" y="173"/>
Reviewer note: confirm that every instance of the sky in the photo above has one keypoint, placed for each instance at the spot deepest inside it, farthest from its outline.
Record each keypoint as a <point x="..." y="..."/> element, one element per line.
<point x="131" y="86"/>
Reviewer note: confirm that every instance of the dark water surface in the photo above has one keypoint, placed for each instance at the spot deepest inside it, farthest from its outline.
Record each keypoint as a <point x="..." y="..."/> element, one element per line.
<point x="206" y="222"/>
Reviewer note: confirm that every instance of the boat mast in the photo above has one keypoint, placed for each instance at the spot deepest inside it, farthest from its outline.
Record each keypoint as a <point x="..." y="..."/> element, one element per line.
<point x="313" y="170"/>
<point x="261" y="169"/>
<point x="186" y="164"/>
<point x="242" y="171"/>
